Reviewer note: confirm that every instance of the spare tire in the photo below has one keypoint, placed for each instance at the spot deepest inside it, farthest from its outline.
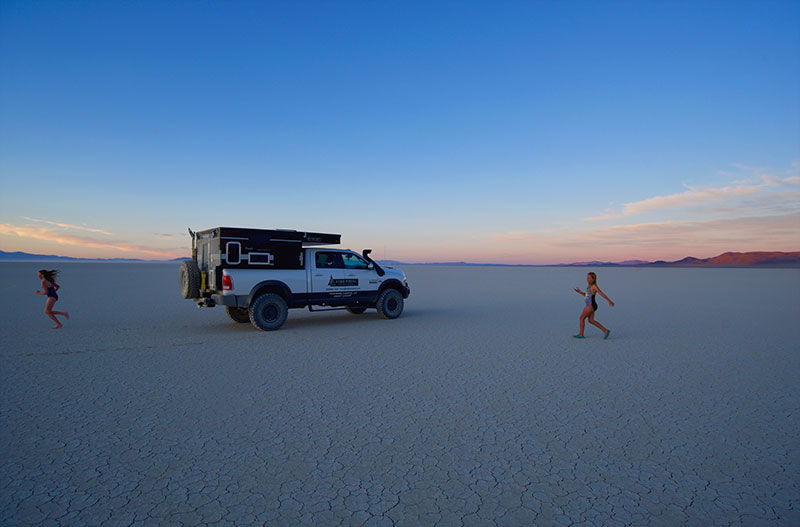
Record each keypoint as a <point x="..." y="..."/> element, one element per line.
<point x="189" y="279"/>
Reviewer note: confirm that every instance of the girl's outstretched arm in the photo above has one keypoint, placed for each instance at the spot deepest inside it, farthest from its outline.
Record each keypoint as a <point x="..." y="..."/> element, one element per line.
<point x="579" y="292"/>
<point x="44" y="289"/>
<point x="604" y="296"/>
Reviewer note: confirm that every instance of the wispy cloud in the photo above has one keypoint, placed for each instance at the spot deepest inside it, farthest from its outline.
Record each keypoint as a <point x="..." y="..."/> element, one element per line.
<point x="70" y="226"/>
<point x="692" y="196"/>
<point x="759" y="212"/>
<point x="665" y="239"/>
<point x="774" y="190"/>
<point x="750" y="232"/>
<point x="49" y="234"/>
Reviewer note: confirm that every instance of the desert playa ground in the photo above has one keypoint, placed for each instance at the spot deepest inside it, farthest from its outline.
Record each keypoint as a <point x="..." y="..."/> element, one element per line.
<point x="476" y="407"/>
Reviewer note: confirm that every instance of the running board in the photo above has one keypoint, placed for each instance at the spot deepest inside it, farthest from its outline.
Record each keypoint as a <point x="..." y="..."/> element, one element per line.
<point x="311" y="308"/>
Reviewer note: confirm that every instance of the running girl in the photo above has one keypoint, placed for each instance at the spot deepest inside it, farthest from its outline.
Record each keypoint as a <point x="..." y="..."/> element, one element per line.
<point x="49" y="288"/>
<point x="591" y="305"/>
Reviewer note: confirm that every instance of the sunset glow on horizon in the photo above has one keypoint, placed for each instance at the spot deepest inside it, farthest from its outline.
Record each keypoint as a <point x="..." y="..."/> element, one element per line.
<point x="519" y="133"/>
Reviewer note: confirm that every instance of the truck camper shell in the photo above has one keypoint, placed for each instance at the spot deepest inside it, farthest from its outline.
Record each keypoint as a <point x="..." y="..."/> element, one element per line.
<point x="239" y="248"/>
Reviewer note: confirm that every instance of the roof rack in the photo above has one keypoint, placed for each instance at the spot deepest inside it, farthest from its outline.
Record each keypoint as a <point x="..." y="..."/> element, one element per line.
<point x="274" y="235"/>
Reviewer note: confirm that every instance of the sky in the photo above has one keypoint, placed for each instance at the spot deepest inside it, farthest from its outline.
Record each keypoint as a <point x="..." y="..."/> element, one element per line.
<point x="493" y="132"/>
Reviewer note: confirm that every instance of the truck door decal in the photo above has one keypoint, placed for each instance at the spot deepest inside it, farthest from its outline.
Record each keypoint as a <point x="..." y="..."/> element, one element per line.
<point x="342" y="282"/>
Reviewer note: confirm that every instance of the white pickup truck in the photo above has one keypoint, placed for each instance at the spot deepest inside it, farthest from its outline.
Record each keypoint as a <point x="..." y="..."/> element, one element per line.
<point x="258" y="275"/>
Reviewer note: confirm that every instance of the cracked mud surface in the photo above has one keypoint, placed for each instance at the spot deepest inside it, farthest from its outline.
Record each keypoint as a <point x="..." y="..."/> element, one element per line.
<point x="475" y="408"/>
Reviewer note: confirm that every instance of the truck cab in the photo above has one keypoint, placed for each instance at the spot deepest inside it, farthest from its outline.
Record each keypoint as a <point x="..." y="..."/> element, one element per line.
<point x="259" y="274"/>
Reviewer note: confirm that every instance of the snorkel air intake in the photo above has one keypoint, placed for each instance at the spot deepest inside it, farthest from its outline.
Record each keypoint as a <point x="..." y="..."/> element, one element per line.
<point x="378" y="269"/>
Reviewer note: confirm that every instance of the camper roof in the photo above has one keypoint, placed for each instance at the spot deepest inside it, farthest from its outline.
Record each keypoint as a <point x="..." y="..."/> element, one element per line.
<point x="278" y="235"/>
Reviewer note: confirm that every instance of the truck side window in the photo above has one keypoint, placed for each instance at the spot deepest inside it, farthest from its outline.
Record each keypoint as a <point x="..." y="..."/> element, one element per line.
<point x="353" y="261"/>
<point x="233" y="252"/>
<point x="329" y="260"/>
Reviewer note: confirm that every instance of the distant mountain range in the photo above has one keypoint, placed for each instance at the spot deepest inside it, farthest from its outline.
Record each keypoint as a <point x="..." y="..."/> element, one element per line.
<point x="729" y="259"/>
<point x="28" y="257"/>
<point x="598" y="263"/>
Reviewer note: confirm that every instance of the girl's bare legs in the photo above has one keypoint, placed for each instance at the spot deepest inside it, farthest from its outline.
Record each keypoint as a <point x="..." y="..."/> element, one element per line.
<point x="48" y="309"/>
<point x="593" y="322"/>
<point x="588" y="312"/>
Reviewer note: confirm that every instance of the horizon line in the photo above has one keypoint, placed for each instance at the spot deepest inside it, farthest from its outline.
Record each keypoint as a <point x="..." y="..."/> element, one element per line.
<point x="623" y="263"/>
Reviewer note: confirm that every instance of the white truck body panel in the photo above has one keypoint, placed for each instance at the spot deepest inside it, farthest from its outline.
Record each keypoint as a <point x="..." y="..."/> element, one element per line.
<point x="244" y="280"/>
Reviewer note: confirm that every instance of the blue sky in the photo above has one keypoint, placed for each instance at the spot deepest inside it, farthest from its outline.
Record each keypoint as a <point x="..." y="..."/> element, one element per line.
<point x="518" y="132"/>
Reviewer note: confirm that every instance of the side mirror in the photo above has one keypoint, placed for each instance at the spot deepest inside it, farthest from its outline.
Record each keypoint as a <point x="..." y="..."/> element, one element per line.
<point x="370" y="266"/>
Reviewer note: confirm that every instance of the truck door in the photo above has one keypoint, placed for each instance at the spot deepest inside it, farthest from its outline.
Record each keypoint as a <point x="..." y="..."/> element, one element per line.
<point x="327" y="274"/>
<point x="358" y="276"/>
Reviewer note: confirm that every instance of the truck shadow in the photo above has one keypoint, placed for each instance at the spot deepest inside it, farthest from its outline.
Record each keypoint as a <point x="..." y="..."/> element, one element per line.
<point x="341" y="317"/>
<point x="337" y="318"/>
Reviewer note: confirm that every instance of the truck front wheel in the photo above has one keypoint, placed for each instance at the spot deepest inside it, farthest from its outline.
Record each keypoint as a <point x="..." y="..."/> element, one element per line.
<point x="268" y="312"/>
<point x="390" y="304"/>
<point x="238" y="314"/>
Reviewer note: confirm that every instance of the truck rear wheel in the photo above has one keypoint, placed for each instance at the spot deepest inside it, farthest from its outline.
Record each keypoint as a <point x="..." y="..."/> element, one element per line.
<point x="268" y="312"/>
<point x="390" y="304"/>
<point x="355" y="310"/>
<point x="189" y="279"/>
<point x="238" y="314"/>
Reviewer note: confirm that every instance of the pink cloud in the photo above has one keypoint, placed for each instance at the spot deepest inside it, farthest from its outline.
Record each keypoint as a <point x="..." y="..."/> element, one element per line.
<point x="69" y="226"/>
<point x="692" y="196"/>
<point x="765" y="187"/>
<point x="57" y="236"/>
<point x="655" y="240"/>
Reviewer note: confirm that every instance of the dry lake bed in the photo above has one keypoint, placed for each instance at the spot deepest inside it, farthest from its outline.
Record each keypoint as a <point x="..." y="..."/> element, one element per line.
<point x="476" y="407"/>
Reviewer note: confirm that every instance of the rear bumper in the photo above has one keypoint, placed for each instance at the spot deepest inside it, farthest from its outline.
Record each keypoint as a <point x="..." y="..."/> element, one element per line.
<point x="224" y="300"/>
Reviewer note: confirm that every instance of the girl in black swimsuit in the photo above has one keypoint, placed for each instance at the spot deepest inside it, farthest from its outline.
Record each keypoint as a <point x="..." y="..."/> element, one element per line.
<point x="591" y="305"/>
<point x="49" y="288"/>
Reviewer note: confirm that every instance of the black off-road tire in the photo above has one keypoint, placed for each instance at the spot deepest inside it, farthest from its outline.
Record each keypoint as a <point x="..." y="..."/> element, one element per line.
<point x="390" y="304"/>
<point x="268" y="312"/>
<point x="189" y="279"/>
<point x="238" y="314"/>
<point x="356" y="310"/>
